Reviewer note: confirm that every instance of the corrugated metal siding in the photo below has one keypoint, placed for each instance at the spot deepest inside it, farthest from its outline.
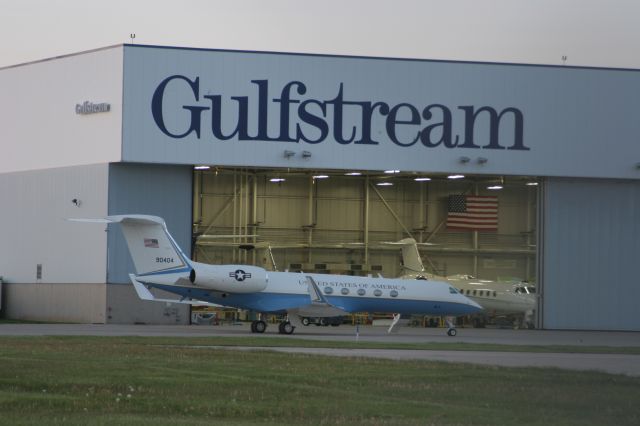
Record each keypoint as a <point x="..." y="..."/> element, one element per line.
<point x="40" y="128"/>
<point x="34" y="229"/>
<point x="591" y="255"/>
<point x="147" y="189"/>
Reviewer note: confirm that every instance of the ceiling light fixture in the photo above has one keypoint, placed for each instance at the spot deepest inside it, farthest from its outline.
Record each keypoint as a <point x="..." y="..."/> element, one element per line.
<point x="321" y="176"/>
<point x="353" y="174"/>
<point x="202" y="167"/>
<point x="422" y="179"/>
<point x="392" y="171"/>
<point x="455" y="177"/>
<point x="277" y="180"/>
<point x="493" y="187"/>
<point x="532" y="183"/>
<point x="384" y="184"/>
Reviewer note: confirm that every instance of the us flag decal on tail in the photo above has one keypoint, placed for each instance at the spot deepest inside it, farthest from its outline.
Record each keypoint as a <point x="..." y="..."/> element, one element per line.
<point x="151" y="243"/>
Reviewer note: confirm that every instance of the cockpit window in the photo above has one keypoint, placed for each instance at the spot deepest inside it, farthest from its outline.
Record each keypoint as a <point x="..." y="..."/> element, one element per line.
<point x="453" y="290"/>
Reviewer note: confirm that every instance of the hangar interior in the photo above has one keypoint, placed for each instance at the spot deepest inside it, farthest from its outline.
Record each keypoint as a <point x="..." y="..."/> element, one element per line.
<point x="335" y="221"/>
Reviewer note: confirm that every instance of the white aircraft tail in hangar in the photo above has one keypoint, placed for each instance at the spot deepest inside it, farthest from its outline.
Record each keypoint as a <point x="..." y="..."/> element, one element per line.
<point x="161" y="264"/>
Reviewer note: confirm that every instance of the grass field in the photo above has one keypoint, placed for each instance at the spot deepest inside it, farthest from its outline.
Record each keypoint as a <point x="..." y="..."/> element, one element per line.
<point x="118" y="380"/>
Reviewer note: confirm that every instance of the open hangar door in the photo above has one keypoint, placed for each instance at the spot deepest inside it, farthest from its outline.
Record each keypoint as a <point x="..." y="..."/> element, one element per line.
<point x="342" y="222"/>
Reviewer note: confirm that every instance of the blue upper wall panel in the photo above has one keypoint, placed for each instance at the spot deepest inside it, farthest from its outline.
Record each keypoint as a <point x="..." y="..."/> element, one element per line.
<point x="194" y="106"/>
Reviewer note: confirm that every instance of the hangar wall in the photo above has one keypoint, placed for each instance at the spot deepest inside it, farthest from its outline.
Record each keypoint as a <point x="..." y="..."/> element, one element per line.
<point x="41" y="122"/>
<point x="590" y="254"/>
<point x="48" y="270"/>
<point x="160" y="190"/>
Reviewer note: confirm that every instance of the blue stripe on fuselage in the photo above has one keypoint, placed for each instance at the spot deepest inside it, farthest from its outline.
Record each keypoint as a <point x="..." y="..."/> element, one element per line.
<point x="281" y="302"/>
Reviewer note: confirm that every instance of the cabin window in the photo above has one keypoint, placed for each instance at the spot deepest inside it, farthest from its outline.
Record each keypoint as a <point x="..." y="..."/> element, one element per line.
<point x="474" y="292"/>
<point x="393" y="293"/>
<point x="344" y="291"/>
<point x="377" y="293"/>
<point x="328" y="290"/>
<point x="495" y="294"/>
<point x="361" y="292"/>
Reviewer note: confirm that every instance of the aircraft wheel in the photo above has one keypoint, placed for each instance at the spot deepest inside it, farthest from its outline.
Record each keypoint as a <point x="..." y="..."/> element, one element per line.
<point x="259" y="327"/>
<point x="452" y="332"/>
<point x="305" y="321"/>
<point x="286" y="328"/>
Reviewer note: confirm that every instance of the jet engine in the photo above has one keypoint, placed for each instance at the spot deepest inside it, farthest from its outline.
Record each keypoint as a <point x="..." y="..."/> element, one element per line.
<point x="229" y="278"/>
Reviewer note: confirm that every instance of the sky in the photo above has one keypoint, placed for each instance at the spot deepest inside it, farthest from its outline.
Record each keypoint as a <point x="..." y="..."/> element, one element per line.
<point x="602" y="33"/>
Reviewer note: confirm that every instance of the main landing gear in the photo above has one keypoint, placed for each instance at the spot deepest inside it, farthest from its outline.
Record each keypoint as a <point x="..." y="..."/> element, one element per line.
<point x="451" y="327"/>
<point x="258" y="326"/>
<point x="285" y="327"/>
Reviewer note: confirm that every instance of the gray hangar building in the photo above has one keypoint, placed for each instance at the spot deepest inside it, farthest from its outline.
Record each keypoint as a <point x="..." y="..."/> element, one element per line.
<point x="326" y="159"/>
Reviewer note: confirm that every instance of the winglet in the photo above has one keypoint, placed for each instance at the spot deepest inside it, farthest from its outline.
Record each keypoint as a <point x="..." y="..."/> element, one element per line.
<point x="314" y="292"/>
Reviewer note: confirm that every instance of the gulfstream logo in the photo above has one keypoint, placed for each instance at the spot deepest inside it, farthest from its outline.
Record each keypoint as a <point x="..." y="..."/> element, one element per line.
<point x="314" y="120"/>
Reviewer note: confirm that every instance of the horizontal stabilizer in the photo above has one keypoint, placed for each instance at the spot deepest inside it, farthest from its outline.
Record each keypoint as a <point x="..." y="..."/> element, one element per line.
<point x="145" y="294"/>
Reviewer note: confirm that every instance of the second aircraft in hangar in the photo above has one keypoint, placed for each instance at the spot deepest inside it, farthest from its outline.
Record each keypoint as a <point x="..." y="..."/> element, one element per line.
<point x="496" y="297"/>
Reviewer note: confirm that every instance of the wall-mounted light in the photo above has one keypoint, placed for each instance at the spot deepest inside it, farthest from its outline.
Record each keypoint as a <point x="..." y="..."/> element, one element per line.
<point x="76" y="202"/>
<point x="464" y="160"/>
<point x="482" y="160"/>
<point x="306" y="154"/>
<point x="288" y="153"/>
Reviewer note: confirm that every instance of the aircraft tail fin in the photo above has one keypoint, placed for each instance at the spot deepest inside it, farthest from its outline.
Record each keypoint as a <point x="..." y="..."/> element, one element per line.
<point x="411" y="256"/>
<point x="152" y="248"/>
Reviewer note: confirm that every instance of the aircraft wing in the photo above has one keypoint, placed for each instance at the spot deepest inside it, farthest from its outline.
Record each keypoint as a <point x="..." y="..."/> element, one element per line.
<point x="144" y="294"/>
<point x="319" y="306"/>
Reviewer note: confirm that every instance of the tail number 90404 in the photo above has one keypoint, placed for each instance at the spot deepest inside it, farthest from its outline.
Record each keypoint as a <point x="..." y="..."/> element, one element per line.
<point x="164" y="259"/>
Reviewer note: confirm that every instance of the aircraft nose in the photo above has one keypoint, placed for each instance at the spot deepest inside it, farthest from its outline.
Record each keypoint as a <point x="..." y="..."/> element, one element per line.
<point x="474" y="304"/>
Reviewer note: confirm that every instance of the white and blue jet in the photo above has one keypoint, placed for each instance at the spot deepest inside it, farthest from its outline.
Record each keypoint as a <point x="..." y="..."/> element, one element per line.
<point x="161" y="264"/>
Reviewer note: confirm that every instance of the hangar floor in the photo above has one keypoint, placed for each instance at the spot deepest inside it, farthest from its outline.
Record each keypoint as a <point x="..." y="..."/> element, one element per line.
<point x="610" y="363"/>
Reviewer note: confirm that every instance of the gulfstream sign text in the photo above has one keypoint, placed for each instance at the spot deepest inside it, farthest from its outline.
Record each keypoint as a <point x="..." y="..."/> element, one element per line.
<point x="314" y="121"/>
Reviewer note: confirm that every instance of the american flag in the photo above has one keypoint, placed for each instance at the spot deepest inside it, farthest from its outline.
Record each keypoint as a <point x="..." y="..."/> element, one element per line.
<point x="472" y="213"/>
<point x="151" y="243"/>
